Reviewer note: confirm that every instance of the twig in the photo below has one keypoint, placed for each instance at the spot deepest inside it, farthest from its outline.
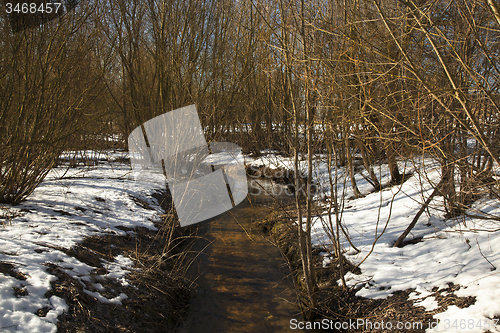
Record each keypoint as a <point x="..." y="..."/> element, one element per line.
<point x="399" y="242"/>
<point x="494" y="268"/>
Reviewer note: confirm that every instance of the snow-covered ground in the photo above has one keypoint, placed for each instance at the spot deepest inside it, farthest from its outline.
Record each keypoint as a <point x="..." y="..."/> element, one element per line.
<point x="68" y="206"/>
<point x="452" y="250"/>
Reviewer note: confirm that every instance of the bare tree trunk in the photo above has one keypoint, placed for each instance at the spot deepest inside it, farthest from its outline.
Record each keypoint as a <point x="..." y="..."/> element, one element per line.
<point x="350" y="167"/>
<point x="400" y="240"/>
<point x="368" y="166"/>
<point x="309" y="199"/>
<point x="393" y="164"/>
<point x="448" y="190"/>
<point x="308" y="259"/>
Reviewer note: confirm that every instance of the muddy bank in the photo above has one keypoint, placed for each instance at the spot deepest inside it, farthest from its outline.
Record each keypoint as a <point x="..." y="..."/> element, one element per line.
<point x="340" y="308"/>
<point x="158" y="293"/>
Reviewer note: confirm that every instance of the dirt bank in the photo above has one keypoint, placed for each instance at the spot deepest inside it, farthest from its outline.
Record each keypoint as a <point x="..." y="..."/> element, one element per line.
<point x="158" y="293"/>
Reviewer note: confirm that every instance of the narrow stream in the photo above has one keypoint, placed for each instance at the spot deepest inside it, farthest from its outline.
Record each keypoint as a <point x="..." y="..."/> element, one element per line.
<point x="243" y="283"/>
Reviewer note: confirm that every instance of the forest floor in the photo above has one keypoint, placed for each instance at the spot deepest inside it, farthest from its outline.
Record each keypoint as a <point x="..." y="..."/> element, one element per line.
<point x="341" y="309"/>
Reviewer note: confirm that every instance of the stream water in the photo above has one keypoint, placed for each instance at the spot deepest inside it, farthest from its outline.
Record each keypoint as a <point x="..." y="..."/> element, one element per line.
<point x="242" y="282"/>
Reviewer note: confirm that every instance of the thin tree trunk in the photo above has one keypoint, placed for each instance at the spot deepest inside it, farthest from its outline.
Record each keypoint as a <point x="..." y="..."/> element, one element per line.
<point x="334" y="198"/>
<point x="399" y="242"/>
<point x="309" y="267"/>
<point x="350" y="167"/>
<point x="368" y="166"/>
<point x="309" y="201"/>
<point x="393" y="165"/>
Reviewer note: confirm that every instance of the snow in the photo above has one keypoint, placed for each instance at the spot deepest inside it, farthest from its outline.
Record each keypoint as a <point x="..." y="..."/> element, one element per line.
<point x="429" y="303"/>
<point x="68" y="206"/>
<point x="451" y="250"/>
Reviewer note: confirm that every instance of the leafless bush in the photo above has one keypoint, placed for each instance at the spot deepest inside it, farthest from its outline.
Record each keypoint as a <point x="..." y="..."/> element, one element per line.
<point x="45" y="83"/>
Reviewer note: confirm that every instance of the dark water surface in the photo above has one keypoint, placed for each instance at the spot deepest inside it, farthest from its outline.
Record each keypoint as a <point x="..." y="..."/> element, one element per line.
<point x="243" y="283"/>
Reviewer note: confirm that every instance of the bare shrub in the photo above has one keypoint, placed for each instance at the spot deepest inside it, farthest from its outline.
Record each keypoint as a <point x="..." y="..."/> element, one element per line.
<point x="45" y="83"/>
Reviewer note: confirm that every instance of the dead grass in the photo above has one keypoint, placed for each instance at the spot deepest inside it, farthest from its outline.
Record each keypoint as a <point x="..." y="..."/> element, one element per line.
<point x="9" y="269"/>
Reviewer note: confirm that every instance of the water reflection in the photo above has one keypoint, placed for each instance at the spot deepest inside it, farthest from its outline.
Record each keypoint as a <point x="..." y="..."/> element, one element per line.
<point x="243" y="283"/>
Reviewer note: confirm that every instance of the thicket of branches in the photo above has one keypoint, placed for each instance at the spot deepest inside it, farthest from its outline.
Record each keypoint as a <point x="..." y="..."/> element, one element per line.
<point x="390" y="80"/>
<point x="382" y="79"/>
<point x="48" y="82"/>
<point x="385" y="79"/>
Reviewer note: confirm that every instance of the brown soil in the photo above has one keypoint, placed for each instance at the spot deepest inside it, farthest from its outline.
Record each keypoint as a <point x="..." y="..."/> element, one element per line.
<point x="9" y="269"/>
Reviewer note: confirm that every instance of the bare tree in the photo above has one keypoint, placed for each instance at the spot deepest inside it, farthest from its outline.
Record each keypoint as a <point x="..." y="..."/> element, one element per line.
<point x="44" y="86"/>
